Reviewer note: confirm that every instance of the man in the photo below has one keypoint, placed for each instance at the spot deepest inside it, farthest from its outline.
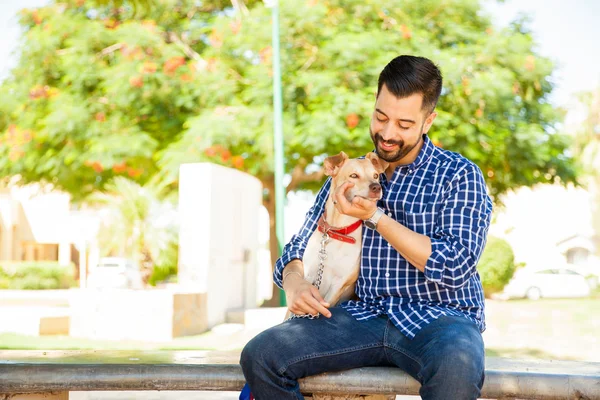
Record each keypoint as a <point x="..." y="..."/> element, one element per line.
<point x="421" y="303"/>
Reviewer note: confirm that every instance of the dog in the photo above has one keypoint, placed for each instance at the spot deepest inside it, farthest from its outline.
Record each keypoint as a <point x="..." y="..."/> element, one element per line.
<point x="344" y="248"/>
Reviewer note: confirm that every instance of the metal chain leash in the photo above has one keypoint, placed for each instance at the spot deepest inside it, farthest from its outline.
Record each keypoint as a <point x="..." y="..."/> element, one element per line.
<point x="317" y="283"/>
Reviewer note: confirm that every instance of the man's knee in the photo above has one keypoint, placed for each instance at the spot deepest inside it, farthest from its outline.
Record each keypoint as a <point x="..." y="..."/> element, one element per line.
<point x="455" y="369"/>
<point x="252" y="353"/>
<point x="461" y="350"/>
<point x="265" y="350"/>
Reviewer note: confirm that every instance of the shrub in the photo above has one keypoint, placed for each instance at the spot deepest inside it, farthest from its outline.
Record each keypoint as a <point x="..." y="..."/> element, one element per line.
<point x="36" y="275"/>
<point x="496" y="266"/>
<point x="165" y="268"/>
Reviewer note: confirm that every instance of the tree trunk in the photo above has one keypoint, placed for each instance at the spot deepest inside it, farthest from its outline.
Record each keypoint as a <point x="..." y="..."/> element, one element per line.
<point x="269" y="203"/>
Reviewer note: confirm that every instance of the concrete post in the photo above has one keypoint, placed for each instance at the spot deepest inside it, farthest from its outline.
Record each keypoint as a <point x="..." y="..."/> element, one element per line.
<point x="218" y="237"/>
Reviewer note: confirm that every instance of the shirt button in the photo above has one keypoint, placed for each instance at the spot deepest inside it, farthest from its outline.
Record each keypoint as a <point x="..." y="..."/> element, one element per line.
<point x="390" y="214"/>
<point x="387" y="274"/>
<point x="389" y="245"/>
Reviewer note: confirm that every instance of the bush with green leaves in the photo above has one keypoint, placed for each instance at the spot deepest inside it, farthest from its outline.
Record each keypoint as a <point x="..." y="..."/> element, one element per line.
<point x="496" y="266"/>
<point x="35" y="275"/>
<point x="165" y="269"/>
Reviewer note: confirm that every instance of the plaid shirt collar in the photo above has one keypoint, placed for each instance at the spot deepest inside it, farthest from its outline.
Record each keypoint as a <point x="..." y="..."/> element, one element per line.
<point x="424" y="156"/>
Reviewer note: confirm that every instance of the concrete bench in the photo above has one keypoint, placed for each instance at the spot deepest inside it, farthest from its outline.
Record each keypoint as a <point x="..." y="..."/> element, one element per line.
<point x="52" y="374"/>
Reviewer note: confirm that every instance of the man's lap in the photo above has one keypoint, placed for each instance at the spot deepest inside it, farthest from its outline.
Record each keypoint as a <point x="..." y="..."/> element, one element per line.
<point x="302" y="347"/>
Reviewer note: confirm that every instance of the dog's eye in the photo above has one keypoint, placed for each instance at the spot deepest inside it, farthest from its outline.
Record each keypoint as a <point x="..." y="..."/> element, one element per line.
<point x="376" y="176"/>
<point x="354" y="176"/>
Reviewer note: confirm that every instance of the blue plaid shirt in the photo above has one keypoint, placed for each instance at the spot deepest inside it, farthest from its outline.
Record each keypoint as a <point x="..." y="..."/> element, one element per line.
<point x="442" y="195"/>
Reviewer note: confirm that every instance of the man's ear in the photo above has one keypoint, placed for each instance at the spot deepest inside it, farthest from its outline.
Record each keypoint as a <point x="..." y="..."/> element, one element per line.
<point x="429" y="121"/>
<point x="379" y="164"/>
<point x="332" y="164"/>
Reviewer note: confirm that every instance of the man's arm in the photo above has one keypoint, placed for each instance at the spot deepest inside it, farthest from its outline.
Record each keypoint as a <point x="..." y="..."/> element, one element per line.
<point x="461" y="230"/>
<point x="449" y="258"/>
<point x="413" y="246"/>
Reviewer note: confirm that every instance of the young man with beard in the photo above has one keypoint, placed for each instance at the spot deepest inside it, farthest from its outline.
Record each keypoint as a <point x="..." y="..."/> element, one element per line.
<point x="421" y="304"/>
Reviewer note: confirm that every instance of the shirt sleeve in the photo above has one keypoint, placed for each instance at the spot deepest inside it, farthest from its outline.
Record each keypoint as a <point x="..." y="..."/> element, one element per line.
<point x="461" y="230"/>
<point x="295" y="248"/>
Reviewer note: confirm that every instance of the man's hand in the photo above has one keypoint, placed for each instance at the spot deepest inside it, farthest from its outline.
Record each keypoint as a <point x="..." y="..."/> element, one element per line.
<point x="303" y="298"/>
<point x="360" y="208"/>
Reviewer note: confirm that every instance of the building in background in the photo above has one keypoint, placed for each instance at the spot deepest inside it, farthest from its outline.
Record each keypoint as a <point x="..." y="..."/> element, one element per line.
<point x="37" y="224"/>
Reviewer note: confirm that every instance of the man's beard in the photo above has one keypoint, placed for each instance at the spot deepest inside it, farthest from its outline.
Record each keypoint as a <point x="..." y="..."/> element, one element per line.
<point x="396" y="155"/>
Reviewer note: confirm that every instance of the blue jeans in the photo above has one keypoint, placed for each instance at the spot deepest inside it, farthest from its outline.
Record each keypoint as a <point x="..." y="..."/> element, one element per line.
<point x="446" y="356"/>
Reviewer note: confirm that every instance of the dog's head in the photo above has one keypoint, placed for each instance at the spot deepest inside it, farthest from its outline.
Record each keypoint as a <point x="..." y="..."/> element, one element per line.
<point x="364" y="173"/>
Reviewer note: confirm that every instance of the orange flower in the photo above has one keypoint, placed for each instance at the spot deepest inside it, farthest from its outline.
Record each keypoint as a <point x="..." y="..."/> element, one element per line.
<point x="120" y="167"/>
<point x="36" y="17"/>
<point x="134" y="172"/>
<point x="136" y="81"/>
<point x="97" y="166"/>
<point x="210" y="151"/>
<point x="100" y="117"/>
<point x="352" y="120"/>
<point x="406" y="33"/>
<point x="238" y="162"/>
<point x="148" y="68"/>
<point x="225" y="155"/>
<point x="172" y="64"/>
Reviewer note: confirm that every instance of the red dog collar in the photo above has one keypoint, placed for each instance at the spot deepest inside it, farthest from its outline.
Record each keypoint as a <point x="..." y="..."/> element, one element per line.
<point x="341" y="234"/>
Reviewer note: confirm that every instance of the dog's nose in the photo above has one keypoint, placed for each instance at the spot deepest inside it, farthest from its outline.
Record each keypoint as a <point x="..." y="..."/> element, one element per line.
<point x="375" y="187"/>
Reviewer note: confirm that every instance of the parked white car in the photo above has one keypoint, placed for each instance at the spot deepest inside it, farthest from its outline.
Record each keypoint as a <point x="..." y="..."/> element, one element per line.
<point x="535" y="284"/>
<point x="116" y="273"/>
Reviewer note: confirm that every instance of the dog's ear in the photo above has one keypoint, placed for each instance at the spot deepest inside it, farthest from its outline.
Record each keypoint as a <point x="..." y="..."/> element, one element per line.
<point x="332" y="164"/>
<point x="379" y="164"/>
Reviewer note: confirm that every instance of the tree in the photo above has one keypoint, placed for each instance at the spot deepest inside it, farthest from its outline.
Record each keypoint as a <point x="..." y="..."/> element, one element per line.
<point x="138" y="225"/>
<point x="102" y="92"/>
<point x="587" y="150"/>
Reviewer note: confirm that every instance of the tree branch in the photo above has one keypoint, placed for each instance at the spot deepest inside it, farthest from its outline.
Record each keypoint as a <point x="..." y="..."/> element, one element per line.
<point x="187" y="50"/>
<point x="111" y="49"/>
<point x="299" y="176"/>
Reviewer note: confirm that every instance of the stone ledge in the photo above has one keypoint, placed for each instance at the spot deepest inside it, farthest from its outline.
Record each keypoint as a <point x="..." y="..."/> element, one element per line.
<point x="45" y="371"/>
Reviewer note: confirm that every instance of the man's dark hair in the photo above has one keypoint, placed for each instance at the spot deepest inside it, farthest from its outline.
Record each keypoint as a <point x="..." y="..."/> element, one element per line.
<point x="407" y="75"/>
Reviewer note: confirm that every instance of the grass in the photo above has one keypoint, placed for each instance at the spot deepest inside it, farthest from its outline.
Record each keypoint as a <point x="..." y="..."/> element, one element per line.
<point x="546" y="329"/>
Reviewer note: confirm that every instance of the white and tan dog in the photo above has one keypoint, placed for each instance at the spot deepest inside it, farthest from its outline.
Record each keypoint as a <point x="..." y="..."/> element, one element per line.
<point x="341" y="267"/>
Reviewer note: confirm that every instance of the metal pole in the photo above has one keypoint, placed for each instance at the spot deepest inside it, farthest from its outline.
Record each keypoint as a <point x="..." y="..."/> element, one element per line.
<point x="278" y="135"/>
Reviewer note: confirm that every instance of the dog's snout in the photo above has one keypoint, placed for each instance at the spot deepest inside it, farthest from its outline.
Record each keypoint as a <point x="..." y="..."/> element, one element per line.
<point x="375" y="187"/>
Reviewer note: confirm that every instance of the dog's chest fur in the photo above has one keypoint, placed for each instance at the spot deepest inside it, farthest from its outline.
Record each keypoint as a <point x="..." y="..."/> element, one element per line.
<point x="341" y="265"/>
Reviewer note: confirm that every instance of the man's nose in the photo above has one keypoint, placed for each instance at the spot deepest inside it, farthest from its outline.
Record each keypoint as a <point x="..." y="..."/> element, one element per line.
<point x="387" y="133"/>
<point x="375" y="187"/>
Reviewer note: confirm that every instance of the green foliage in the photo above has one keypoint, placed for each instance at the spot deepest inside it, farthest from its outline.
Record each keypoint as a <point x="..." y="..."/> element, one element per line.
<point x="496" y="266"/>
<point x="36" y="275"/>
<point x="140" y="224"/>
<point x="166" y="265"/>
<point x="102" y="91"/>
